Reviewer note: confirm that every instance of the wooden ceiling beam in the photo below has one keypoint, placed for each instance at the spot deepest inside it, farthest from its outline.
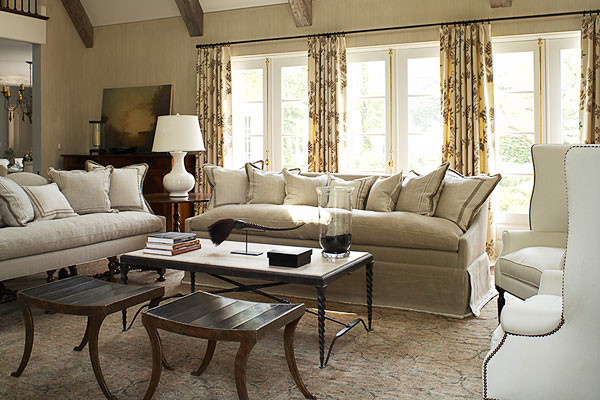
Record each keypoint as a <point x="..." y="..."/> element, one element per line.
<point x="81" y="21"/>
<point x="193" y="16"/>
<point x="302" y="12"/>
<point x="500" y="3"/>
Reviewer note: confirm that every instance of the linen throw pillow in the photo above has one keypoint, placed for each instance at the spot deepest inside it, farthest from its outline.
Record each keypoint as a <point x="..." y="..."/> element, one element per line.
<point x="15" y="207"/>
<point x="126" y="186"/>
<point x="229" y="186"/>
<point x="361" y="188"/>
<point x="384" y="193"/>
<point x="418" y="193"/>
<point x="463" y="196"/>
<point x="48" y="202"/>
<point x="87" y="192"/>
<point x="302" y="190"/>
<point x="265" y="187"/>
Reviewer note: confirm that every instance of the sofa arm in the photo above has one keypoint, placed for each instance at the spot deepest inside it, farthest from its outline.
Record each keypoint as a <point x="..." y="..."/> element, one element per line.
<point x="516" y="240"/>
<point x="188" y="224"/>
<point x="538" y="315"/>
<point x="472" y="243"/>
<point x="551" y="282"/>
<point x="163" y="220"/>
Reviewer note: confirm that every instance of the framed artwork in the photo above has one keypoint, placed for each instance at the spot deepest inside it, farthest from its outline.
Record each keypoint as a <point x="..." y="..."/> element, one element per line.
<point x="130" y="115"/>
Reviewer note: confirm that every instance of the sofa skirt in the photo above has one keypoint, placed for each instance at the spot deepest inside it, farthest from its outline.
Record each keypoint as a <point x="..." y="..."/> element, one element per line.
<point x="399" y="280"/>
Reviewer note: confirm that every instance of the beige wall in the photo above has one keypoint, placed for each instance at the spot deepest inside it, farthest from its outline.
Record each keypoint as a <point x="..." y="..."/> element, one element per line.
<point x="64" y="90"/>
<point x="161" y="51"/>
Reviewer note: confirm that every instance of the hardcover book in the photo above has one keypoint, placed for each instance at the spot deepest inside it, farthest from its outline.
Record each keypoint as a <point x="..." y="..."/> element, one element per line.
<point x="171" y="237"/>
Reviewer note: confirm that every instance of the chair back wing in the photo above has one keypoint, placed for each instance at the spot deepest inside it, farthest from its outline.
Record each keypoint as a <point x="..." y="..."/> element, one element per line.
<point x="548" y="207"/>
<point x="582" y="263"/>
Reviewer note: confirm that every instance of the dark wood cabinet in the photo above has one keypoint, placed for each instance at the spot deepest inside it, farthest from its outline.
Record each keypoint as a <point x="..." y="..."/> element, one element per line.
<point x="159" y="165"/>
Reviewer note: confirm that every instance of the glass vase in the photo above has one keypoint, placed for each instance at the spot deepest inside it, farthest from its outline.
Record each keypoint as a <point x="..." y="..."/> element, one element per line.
<point x="335" y="220"/>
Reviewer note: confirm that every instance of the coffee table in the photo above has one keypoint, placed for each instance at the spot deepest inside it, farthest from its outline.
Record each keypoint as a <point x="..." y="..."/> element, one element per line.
<point x="220" y="263"/>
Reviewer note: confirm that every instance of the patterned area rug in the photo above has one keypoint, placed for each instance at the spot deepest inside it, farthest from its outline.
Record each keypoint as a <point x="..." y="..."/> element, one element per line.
<point x="408" y="355"/>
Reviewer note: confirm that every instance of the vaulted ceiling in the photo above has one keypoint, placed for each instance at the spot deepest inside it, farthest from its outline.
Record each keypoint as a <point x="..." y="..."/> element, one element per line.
<point x="109" y="12"/>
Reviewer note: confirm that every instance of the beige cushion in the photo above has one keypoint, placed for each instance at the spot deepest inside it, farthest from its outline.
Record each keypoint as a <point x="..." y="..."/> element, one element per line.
<point x="126" y="186"/>
<point x="264" y="187"/>
<point x="48" y="202"/>
<point x="418" y="193"/>
<point x="395" y="229"/>
<point x="384" y="193"/>
<point x="462" y="197"/>
<point x="87" y="192"/>
<point x="229" y="186"/>
<point x="28" y="179"/>
<point x="527" y="264"/>
<point x="59" y="234"/>
<point x="361" y="188"/>
<point x="15" y="207"/>
<point x="302" y="190"/>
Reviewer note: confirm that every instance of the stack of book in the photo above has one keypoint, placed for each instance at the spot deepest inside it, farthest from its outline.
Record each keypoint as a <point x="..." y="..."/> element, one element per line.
<point x="171" y="243"/>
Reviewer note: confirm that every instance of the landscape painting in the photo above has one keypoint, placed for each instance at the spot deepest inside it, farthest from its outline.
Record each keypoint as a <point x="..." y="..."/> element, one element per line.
<point x="130" y="115"/>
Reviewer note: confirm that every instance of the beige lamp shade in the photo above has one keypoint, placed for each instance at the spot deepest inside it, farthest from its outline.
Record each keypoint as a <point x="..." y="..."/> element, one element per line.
<point x="178" y="133"/>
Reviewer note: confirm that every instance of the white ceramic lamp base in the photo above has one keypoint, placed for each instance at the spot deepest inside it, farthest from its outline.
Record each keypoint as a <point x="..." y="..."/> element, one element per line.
<point x="178" y="182"/>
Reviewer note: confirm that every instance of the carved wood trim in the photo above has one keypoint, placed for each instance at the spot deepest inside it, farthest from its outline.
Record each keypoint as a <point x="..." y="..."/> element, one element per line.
<point x="193" y="16"/>
<point x="81" y="21"/>
<point x="500" y="3"/>
<point x="302" y="12"/>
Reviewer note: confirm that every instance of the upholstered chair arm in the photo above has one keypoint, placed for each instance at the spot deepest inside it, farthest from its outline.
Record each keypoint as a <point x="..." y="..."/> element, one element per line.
<point x="515" y="240"/>
<point x="472" y="243"/>
<point x="538" y="315"/>
<point x="551" y="282"/>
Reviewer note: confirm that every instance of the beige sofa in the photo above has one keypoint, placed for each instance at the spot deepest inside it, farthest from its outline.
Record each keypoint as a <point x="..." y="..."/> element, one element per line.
<point x="47" y="245"/>
<point x="421" y="263"/>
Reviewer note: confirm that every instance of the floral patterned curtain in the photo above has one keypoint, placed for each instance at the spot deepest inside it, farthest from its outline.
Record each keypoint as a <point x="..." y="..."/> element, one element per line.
<point x="589" y="106"/>
<point x="467" y="98"/>
<point x="327" y="101"/>
<point x="213" y="107"/>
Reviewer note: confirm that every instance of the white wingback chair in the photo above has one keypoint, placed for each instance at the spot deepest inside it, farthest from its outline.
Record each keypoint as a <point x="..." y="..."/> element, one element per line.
<point x="526" y="254"/>
<point x="549" y="345"/>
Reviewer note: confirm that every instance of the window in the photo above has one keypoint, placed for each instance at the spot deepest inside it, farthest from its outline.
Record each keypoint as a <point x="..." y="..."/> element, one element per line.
<point x="366" y="114"/>
<point x="536" y="96"/>
<point x="424" y="120"/>
<point x="248" y="112"/>
<point x="279" y="125"/>
<point x="290" y="101"/>
<point x="410" y="131"/>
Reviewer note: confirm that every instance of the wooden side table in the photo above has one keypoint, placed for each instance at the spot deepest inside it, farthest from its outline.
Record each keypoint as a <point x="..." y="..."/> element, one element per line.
<point x="207" y="316"/>
<point x="81" y="295"/>
<point x="164" y="198"/>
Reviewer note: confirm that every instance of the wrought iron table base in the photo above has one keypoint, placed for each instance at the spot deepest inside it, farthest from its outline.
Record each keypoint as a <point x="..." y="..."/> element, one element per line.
<point x="321" y="290"/>
<point x="240" y="287"/>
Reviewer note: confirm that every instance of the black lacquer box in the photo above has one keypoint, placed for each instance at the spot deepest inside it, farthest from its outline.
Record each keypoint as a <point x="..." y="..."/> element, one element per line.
<point x="289" y="257"/>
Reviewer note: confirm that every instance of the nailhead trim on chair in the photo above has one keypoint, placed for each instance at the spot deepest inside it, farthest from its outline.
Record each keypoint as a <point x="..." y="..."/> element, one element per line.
<point x="562" y="316"/>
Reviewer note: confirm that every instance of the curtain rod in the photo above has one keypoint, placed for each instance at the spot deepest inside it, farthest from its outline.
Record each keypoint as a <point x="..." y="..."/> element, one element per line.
<point x="392" y="28"/>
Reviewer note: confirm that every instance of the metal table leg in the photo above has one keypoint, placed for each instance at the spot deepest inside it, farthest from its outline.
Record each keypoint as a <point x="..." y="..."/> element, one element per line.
<point x="175" y="217"/>
<point x="124" y="278"/>
<point x="369" y="268"/>
<point x="321" y="316"/>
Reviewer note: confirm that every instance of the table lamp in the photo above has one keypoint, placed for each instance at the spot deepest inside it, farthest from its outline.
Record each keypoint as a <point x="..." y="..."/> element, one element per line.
<point x="178" y="134"/>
